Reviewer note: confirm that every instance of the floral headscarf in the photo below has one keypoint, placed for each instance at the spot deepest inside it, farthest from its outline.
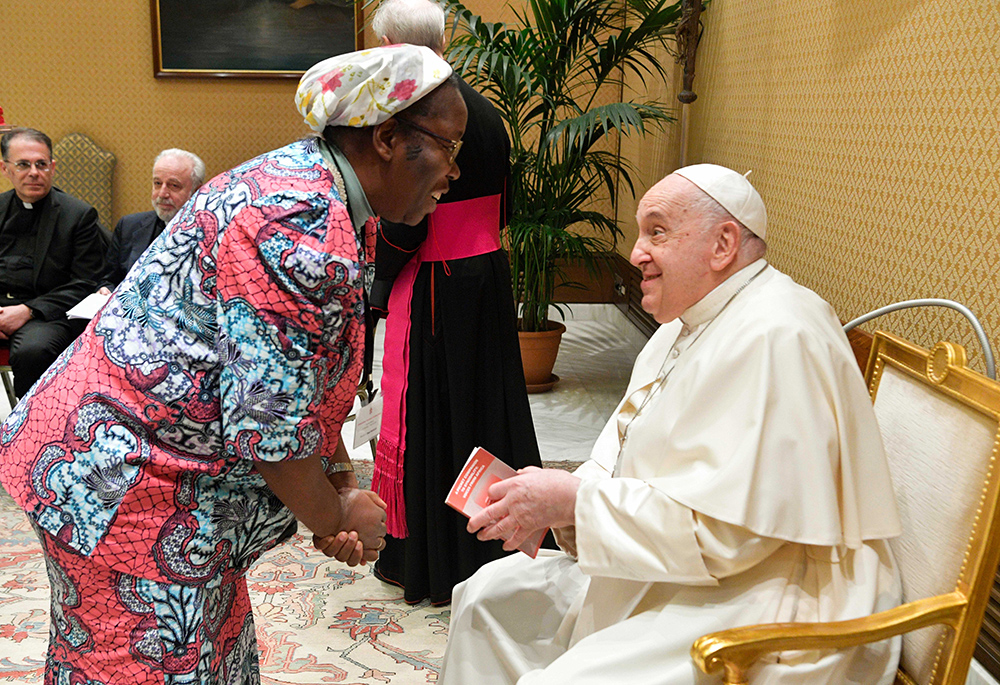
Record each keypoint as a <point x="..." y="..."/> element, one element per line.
<point x="365" y="88"/>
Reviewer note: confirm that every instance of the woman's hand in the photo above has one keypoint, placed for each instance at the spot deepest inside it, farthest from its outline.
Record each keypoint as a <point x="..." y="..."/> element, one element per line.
<point x="343" y="546"/>
<point x="364" y="511"/>
<point x="347" y="523"/>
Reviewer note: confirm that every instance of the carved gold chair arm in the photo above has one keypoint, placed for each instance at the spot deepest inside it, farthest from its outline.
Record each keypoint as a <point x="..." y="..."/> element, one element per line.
<point x="731" y="653"/>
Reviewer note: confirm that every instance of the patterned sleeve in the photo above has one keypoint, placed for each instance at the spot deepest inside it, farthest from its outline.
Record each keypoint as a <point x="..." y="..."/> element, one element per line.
<point x="290" y="326"/>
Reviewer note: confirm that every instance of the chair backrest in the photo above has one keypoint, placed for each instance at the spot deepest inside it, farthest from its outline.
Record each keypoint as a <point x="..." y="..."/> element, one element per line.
<point x="861" y="346"/>
<point x="940" y="424"/>
<point x="85" y="171"/>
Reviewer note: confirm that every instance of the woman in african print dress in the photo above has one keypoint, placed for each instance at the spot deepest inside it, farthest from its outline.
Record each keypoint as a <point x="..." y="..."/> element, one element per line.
<point x="182" y="434"/>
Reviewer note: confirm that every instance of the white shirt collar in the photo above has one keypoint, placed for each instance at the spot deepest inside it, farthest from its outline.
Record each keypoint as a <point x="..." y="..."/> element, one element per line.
<point x="708" y="307"/>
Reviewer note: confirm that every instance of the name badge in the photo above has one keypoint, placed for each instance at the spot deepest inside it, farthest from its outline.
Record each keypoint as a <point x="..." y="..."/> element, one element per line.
<point x="367" y="421"/>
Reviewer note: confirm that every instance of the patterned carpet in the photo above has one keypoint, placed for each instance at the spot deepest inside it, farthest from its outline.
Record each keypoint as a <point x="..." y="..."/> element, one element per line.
<point x="318" y="621"/>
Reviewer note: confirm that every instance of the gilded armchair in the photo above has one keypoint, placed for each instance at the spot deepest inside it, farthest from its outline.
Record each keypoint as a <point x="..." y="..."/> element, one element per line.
<point x="940" y="423"/>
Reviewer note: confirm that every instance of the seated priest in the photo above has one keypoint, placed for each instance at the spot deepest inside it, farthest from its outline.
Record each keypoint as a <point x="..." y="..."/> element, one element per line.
<point x="741" y="480"/>
<point x="177" y="174"/>
<point x="51" y="252"/>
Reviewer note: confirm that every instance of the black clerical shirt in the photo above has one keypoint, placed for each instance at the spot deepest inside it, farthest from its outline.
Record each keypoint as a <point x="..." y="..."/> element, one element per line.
<point x="18" y="237"/>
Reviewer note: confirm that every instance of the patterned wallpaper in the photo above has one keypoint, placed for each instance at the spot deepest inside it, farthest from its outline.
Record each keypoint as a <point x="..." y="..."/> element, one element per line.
<point x="872" y="132"/>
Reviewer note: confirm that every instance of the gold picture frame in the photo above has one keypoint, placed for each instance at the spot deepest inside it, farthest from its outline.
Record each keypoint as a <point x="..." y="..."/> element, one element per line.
<point x="250" y="38"/>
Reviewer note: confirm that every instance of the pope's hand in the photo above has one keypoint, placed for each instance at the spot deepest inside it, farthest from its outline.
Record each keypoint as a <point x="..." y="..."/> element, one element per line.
<point x="532" y="500"/>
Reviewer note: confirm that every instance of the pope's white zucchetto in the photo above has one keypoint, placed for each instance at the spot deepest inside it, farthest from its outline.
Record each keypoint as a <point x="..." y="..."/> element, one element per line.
<point x="731" y="190"/>
<point x="365" y="88"/>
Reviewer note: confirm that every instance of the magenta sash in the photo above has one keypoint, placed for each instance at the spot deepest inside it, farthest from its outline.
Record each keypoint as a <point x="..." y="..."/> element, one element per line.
<point x="455" y="230"/>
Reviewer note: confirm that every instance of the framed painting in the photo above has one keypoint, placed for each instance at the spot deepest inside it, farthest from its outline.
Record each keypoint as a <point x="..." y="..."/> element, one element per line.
<point x="250" y="38"/>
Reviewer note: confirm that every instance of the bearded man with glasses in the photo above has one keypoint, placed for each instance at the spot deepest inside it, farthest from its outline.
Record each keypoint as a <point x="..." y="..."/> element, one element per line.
<point x="51" y="251"/>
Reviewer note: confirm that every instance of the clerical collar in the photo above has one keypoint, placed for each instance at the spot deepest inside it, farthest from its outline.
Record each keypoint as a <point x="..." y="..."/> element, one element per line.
<point x="708" y="307"/>
<point x="356" y="200"/>
<point x="31" y="206"/>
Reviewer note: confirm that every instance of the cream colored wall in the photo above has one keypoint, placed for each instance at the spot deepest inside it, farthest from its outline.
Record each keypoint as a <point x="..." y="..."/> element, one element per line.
<point x="872" y="132"/>
<point x="655" y="154"/>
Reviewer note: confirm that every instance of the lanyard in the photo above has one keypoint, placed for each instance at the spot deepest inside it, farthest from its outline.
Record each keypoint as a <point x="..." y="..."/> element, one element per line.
<point x="370" y="321"/>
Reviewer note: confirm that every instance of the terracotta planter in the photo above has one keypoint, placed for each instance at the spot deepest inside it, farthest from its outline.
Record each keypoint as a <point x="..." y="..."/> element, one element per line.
<point x="538" y="355"/>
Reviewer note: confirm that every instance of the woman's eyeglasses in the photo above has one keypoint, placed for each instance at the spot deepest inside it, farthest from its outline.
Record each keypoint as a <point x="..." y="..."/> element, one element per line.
<point x="453" y="146"/>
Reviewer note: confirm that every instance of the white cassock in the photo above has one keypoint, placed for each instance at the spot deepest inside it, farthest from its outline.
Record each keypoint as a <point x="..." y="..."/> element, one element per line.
<point x="741" y="481"/>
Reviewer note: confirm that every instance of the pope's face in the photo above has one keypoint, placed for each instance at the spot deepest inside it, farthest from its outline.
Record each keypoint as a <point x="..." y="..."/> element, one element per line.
<point x="673" y="250"/>
<point x="31" y="183"/>
<point x="173" y="184"/>
<point x="424" y="169"/>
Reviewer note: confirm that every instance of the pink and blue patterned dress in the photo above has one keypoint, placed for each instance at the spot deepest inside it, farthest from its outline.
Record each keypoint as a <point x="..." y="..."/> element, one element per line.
<point x="237" y="337"/>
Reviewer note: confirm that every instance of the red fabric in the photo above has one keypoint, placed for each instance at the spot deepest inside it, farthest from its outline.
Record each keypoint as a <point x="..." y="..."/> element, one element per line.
<point x="387" y="479"/>
<point x="457" y="230"/>
<point x="180" y="383"/>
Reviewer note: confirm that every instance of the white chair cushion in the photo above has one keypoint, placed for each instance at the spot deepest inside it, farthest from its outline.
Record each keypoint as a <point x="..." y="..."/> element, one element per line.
<point x="919" y="426"/>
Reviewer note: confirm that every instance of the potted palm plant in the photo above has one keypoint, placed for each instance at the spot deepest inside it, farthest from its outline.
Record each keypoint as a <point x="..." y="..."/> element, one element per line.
<point x="556" y="75"/>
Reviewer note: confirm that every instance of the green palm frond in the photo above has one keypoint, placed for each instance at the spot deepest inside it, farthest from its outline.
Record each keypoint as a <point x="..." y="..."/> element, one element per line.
<point x="583" y="131"/>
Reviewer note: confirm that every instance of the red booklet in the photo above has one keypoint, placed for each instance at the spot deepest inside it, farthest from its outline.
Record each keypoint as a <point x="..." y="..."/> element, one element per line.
<point x="469" y="495"/>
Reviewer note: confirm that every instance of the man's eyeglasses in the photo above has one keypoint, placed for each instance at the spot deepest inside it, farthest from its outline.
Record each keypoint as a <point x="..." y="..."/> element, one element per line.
<point x="24" y="166"/>
<point x="453" y="146"/>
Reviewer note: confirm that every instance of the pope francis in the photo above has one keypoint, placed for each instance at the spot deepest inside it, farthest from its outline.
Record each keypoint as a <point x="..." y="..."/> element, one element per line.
<point x="741" y="480"/>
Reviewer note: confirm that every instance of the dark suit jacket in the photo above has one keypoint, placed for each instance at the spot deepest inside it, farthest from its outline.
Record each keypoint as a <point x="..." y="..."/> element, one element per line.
<point x="69" y="254"/>
<point x="133" y="234"/>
